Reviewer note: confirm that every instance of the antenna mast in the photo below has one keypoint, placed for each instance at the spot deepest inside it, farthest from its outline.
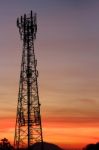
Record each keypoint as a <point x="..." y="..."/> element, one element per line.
<point x="28" y="129"/>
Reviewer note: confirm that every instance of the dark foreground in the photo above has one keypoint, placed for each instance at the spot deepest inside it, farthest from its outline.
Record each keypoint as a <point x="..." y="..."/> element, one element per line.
<point x="92" y="147"/>
<point x="5" y="145"/>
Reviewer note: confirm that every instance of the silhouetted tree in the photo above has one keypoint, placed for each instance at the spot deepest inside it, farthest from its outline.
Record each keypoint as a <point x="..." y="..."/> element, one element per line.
<point x="92" y="147"/>
<point x="97" y="146"/>
<point x="5" y="145"/>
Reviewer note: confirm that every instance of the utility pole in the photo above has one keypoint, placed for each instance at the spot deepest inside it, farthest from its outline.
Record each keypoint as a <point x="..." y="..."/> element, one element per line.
<point x="28" y="129"/>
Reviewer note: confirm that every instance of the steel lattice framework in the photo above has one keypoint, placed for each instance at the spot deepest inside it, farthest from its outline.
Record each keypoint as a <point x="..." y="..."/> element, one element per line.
<point x="28" y="129"/>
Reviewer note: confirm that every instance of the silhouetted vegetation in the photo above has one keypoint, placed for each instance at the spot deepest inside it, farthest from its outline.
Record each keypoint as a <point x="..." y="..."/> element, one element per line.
<point x="46" y="146"/>
<point x="92" y="147"/>
<point x="5" y="145"/>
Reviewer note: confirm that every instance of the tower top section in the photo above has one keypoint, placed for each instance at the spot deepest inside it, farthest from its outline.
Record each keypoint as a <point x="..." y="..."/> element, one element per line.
<point x="27" y="25"/>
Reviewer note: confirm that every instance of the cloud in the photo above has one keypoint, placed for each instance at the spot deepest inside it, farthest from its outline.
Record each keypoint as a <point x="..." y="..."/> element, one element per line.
<point x="70" y="122"/>
<point x="91" y="101"/>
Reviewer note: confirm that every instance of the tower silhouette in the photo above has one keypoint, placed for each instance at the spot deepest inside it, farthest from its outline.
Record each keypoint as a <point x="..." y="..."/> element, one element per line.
<point x="28" y="129"/>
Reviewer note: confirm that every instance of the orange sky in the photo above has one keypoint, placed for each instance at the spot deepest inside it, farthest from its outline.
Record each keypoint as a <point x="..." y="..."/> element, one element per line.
<point x="67" y="50"/>
<point x="71" y="134"/>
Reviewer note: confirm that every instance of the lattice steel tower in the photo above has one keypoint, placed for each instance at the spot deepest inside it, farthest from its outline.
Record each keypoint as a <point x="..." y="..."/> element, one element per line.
<point x="28" y="129"/>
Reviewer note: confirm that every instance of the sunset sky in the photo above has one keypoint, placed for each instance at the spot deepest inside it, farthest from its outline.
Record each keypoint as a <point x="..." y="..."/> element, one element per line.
<point x="67" y="50"/>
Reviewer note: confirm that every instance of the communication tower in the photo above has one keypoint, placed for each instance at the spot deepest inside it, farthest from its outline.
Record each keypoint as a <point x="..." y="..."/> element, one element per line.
<point x="28" y="129"/>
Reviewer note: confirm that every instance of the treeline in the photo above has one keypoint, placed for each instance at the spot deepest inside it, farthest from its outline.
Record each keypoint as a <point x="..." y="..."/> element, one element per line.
<point x="5" y="145"/>
<point x="92" y="147"/>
